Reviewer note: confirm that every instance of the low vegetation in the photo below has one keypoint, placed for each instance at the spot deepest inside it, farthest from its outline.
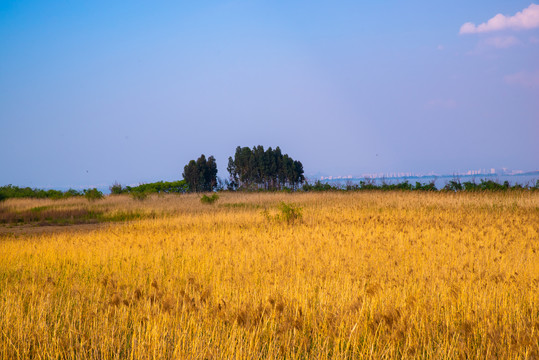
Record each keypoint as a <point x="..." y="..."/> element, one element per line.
<point x="372" y="274"/>
<point x="205" y="199"/>
<point x="288" y="213"/>
<point x="452" y="185"/>
<point x="10" y="191"/>
<point x="142" y="191"/>
<point x="93" y="194"/>
<point x="159" y="187"/>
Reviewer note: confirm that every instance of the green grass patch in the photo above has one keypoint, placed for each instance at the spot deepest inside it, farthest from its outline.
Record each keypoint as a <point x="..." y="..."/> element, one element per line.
<point x="205" y="199"/>
<point x="39" y="209"/>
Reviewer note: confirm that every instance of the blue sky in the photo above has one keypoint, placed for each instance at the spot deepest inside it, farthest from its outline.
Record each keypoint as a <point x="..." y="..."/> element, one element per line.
<point x="97" y="92"/>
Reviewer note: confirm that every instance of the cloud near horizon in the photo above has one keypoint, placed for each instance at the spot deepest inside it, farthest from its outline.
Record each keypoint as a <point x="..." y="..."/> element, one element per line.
<point x="525" y="19"/>
<point x="529" y="79"/>
<point x="502" y="42"/>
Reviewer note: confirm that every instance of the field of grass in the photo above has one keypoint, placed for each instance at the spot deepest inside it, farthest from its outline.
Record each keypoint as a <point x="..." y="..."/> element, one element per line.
<point x="350" y="275"/>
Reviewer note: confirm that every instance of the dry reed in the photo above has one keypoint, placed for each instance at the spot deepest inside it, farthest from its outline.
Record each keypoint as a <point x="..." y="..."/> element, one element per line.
<point x="363" y="275"/>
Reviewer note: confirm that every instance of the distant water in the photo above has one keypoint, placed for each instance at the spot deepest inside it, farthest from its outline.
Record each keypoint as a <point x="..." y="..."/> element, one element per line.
<point x="441" y="181"/>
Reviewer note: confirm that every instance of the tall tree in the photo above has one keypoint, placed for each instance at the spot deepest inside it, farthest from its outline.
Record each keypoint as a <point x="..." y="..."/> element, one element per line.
<point x="257" y="168"/>
<point x="211" y="173"/>
<point x="191" y="175"/>
<point x="201" y="175"/>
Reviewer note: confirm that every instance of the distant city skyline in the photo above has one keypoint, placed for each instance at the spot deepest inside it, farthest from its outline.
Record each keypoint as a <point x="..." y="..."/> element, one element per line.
<point x="97" y="92"/>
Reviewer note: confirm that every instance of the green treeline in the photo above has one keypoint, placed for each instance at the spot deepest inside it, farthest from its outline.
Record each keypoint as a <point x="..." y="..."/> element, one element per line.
<point x="452" y="185"/>
<point x="256" y="168"/>
<point x="10" y="191"/>
<point x="160" y="187"/>
<point x="181" y="186"/>
<point x="253" y="169"/>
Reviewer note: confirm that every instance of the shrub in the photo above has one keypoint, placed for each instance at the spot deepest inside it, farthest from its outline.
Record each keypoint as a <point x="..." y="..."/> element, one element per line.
<point x="10" y="191"/>
<point x="116" y="189"/>
<point x="54" y="194"/>
<point x="72" y="192"/>
<point x="93" y="194"/>
<point x="318" y="186"/>
<point x="454" y="185"/>
<point x="209" y="199"/>
<point x="160" y="187"/>
<point x="425" y="187"/>
<point x="288" y="213"/>
<point x="139" y="195"/>
<point x="470" y="186"/>
<point x="492" y="185"/>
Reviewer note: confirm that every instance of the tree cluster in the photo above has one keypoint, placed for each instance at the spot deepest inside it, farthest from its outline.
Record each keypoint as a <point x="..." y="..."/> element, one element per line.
<point x="269" y="169"/>
<point x="201" y="175"/>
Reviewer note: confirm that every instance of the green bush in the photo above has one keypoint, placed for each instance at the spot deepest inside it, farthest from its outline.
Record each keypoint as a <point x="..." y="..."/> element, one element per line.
<point x="10" y="191"/>
<point x="72" y="192"/>
<point x="139" y="195"/>
<point x="93" y="194"/>
<point x="288" y="213"/>
<point x="160" y="187"/>
<point x="319" y="186"/>
<point x="454" y="185"/>
<point x="116" y="189"/>
<point x="425" y="187"/>
<point x="209" y="199"/>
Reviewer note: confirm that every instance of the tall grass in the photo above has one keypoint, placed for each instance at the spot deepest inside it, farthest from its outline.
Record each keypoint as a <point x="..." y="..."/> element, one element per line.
<point x="363" y="275"/>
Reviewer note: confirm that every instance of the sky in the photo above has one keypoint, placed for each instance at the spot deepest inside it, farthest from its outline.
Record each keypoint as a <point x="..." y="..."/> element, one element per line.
<point x="97" y="92"/>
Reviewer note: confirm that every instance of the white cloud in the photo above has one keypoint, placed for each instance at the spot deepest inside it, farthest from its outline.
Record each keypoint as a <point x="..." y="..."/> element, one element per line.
<point x="502" y="42"/>
<point x="528" y="79"/>
<point x="525" y="19"/>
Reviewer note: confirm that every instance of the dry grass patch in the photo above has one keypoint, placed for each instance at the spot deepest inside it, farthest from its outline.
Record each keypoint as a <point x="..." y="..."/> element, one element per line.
<point x="362" y="275"/>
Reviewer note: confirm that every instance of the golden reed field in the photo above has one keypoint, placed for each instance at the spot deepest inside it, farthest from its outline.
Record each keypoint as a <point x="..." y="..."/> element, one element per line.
<point x="374" y="275"/>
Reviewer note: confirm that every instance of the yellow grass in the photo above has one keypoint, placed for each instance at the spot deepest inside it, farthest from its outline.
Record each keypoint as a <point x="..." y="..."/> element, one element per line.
<point x="361" y="275"/>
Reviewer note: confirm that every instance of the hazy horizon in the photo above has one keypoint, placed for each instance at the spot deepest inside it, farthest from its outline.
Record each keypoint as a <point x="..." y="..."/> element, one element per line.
<point x="93" y="93"/>
<point x="526" y="178"/>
